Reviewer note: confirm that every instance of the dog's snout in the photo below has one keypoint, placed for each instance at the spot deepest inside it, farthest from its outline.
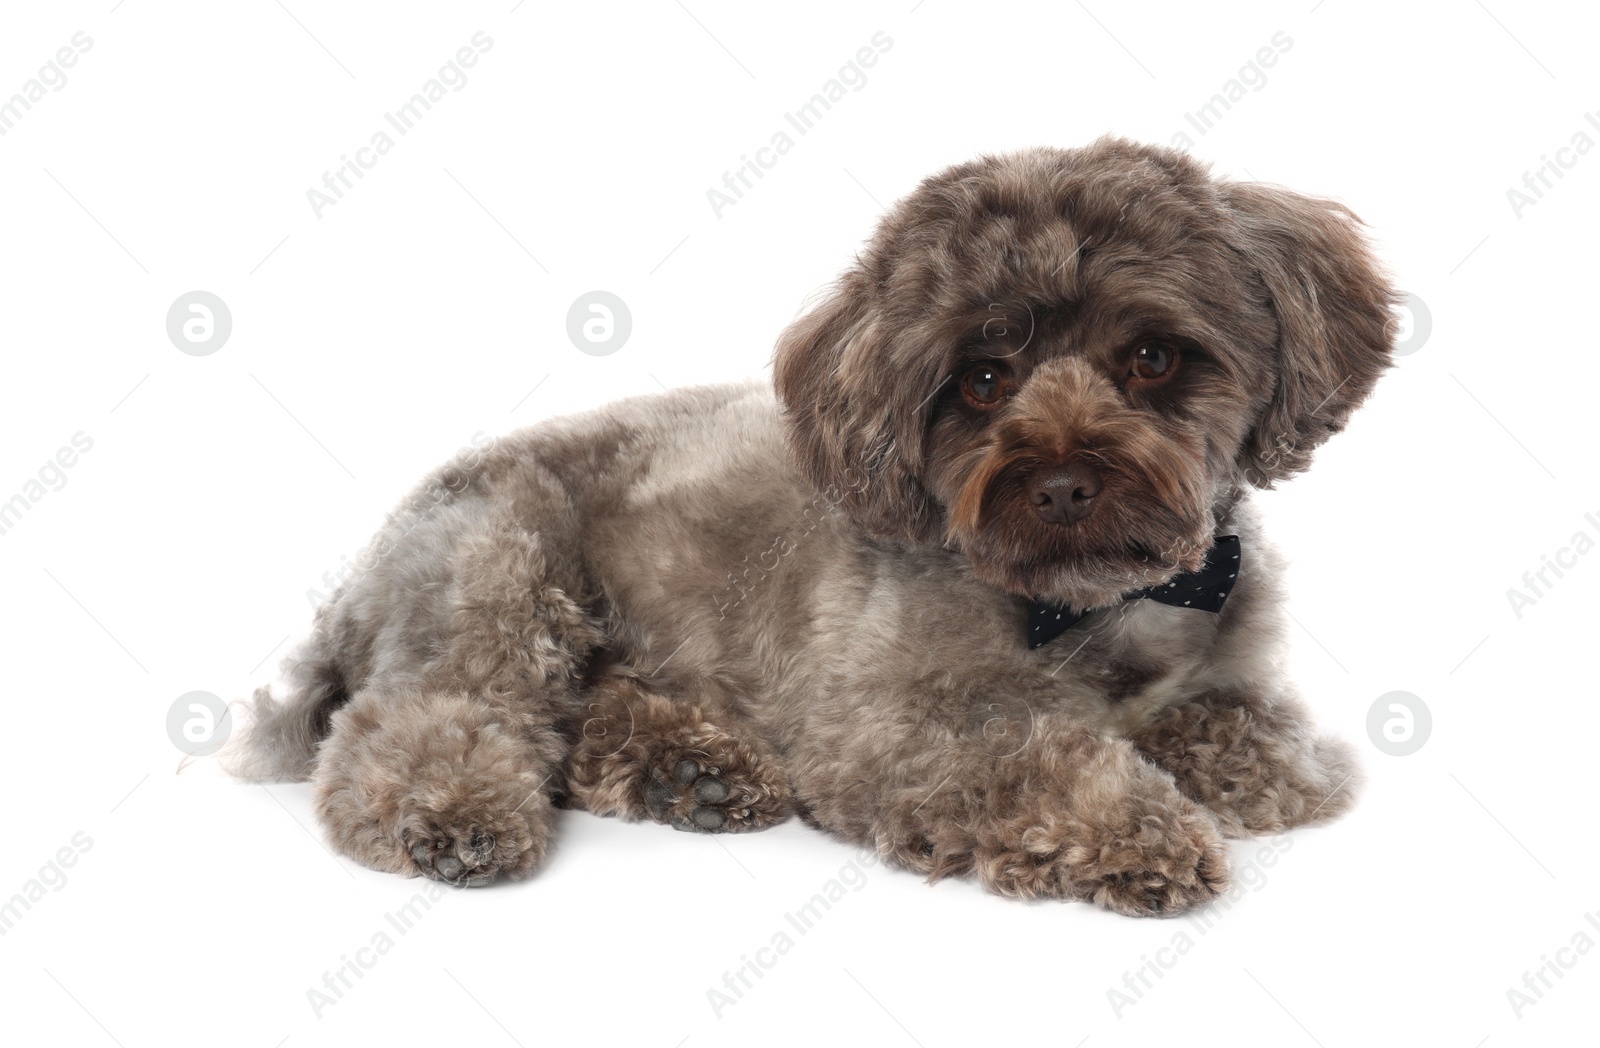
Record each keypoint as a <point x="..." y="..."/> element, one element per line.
<point x="1064" y="494"/>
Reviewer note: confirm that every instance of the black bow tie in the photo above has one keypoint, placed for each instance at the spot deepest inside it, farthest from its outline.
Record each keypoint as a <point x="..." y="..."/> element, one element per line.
<point x="1203" y="590"/>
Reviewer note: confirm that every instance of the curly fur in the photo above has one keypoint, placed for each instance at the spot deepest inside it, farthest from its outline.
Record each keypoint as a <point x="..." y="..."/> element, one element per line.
<point x="716" y="607"/>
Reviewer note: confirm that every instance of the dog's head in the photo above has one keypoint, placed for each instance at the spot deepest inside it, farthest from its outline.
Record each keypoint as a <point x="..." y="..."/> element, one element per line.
<point x="1062" y="362"/>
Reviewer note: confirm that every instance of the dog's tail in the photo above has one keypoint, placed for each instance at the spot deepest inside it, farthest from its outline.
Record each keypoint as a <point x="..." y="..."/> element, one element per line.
<point x="279" y="743"/>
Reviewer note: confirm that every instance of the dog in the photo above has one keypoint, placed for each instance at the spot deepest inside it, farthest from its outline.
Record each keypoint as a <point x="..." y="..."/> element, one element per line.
<point x="977" y="583"/>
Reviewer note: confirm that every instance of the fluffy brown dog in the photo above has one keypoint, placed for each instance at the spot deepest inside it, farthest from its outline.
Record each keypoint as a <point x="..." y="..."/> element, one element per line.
<point x="1046" y="387"/>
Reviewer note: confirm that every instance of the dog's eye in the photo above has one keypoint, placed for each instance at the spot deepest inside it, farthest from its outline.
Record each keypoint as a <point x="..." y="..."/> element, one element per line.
<point x="985" y="385"/>
<point x="1154" y="361"/>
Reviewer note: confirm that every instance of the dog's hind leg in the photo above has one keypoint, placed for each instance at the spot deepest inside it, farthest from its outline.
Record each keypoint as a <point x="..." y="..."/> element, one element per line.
<point x="640" y="755"/>
<point x="1257" y="764"/>
<point x="449" y="771"/>
<point x="445" y="784"/>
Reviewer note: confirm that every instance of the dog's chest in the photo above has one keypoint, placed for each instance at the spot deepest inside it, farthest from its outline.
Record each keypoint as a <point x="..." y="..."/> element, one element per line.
<point x="959" y="648"/>
<point x="1137" y="657"/>
<point x="1118" y="665"/>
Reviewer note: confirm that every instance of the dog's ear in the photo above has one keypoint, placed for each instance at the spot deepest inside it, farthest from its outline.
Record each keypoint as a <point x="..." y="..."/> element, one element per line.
<point x="1336" y="320"/>
<point x="855" y="416"/>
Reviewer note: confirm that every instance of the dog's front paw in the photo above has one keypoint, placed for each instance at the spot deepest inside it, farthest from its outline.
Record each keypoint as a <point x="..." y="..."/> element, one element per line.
<point x="1155" y="862"/>
<point x="1166" y="866"/>
<point x="1253" y="762"/>
<point x="1309" y="782"/>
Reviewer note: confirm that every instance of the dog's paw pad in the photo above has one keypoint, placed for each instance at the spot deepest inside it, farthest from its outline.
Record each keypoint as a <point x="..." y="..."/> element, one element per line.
<point x="660" y="797"/>
<point x="708" y="818"/>
<point x="709" y="790"/>
<point x="437" y="859"/>
<point x="697" y="797"/>
<point x="468" y="859"/>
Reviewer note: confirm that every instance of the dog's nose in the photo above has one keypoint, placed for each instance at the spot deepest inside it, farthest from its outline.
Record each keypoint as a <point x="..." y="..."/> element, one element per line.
<point x="1064" y="494"/>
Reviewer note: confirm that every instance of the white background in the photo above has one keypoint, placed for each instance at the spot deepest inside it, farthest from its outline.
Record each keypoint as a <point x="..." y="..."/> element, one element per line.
<point x="429" y="305"/>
